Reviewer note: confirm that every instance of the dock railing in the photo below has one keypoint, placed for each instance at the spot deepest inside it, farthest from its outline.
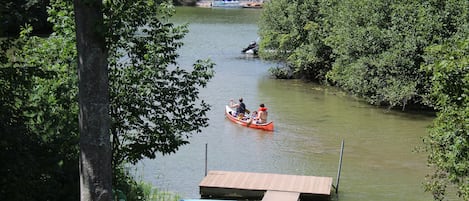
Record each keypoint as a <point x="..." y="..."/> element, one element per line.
<point x="336" y="187"/>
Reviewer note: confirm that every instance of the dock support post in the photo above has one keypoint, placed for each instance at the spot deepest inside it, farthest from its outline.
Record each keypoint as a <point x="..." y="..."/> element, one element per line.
<point x="206" y="150"/>
<point x="340" y="167"/>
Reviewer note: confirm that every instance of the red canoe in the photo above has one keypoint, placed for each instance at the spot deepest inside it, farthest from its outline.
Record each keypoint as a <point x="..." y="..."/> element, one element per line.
<point x="267" y="126"/>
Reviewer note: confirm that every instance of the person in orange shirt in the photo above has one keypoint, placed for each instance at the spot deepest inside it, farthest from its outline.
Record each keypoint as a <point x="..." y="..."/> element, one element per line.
<point x="262" y="114"/>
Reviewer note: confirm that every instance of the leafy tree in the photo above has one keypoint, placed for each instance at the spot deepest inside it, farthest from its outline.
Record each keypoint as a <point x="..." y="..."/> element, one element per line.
<point x="154" y="103"/>
<point x="448" y="142"/>
<point x="17" y="13"/>
<point x="30" y="170"/>
<point x="378" y="46"/>
<point x="292" y="31"/>
<point x="274" y="29"/>
<point x="39" y="143"/>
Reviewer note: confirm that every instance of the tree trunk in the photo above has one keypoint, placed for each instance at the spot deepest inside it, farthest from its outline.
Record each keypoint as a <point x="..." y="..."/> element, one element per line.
<point x="94" y="120"/>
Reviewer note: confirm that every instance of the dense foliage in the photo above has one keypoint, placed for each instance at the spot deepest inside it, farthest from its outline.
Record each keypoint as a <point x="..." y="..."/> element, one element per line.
<point x="34" y="163"/>
<point x="293" y="31"/>
<point x="154" y="103"/>
<point x="17" y="13"/>
<point x="448" y="141"/>
<point x="41" y="88"/>
<point x="372" y="49"/>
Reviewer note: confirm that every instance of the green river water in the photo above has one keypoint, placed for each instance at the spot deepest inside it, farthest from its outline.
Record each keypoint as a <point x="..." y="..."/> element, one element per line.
<point x="379" y="160"/>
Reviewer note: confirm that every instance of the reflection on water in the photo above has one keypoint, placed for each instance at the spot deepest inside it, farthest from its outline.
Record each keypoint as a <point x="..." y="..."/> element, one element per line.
<point x="310" y="122"/>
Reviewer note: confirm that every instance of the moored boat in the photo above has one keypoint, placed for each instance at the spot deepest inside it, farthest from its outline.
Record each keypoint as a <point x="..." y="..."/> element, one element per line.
<point x="226" y="3"/>
<point x="252" y="48"/>
<point x="269" y="126"/>
<point x="252" y="5"/>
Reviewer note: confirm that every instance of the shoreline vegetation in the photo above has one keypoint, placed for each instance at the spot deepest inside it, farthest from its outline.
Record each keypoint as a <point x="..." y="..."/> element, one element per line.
<point x="209" y="3"/>
<point x="372" y="50"/>
<point x="131" y="188"/>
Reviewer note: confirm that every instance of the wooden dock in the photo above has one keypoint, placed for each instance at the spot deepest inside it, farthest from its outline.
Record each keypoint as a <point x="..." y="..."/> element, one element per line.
<point x="265" y="186"/>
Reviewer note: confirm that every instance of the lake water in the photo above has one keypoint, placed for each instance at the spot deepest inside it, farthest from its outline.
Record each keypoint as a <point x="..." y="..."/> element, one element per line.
<point x="310" y="121"/>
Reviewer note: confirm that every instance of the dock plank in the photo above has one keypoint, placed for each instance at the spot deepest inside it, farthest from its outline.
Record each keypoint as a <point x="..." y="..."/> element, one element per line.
<point x="267" y="182"/>
<point x="280" y="196"/>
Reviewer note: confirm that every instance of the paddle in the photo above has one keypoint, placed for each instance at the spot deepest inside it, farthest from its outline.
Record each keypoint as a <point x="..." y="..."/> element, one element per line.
<point x="249" y="122"/>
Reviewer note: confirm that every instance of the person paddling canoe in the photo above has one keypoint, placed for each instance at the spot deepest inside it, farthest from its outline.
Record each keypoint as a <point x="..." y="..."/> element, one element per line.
<point x="240" y="108"/>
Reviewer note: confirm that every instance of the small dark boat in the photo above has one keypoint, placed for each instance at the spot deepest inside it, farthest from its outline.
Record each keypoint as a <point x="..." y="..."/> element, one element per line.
<point x="252" y="48"/>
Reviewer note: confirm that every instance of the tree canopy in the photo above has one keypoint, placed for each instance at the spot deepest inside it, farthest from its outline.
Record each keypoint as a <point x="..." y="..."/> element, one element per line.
<point x="373" y="49"/>
<point x="448" y="142"/>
